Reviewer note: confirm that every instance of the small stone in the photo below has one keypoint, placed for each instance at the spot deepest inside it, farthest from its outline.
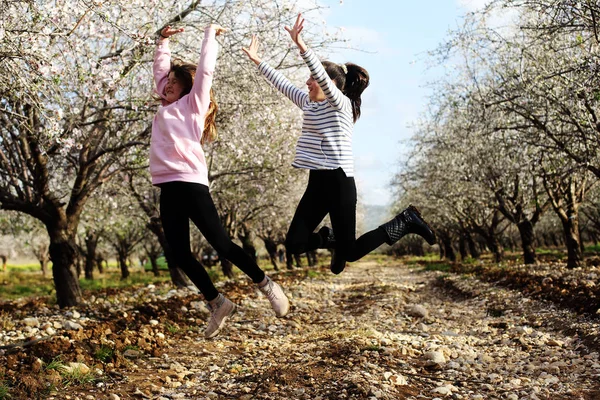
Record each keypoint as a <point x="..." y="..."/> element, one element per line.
<point x="130" y="353"/>
<point x="72" y="326"/>
<point x="417" y="311"/>
<point x="31" y="322"/>
<point x="74" y="366"/>
<point x="398" y="380"/>
<point x="434" y="358"/>
<point x="113" y="396"/>
<point x="153" y="322"/>
<point x="443" y="390"/>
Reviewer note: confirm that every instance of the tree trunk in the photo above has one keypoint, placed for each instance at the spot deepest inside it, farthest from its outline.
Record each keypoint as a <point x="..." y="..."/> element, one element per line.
<point x="123" y="264"/>
<point x="63" y="255"/>
<point x="473" y="250"/>
<point x="448" y="250"/>
<point x="462" y="247"/>
<point x="572" y="240"/>
<point x="154" y="263"/>
<point x="99" y="263"/>
<point x="527" y="241"/>
<point x="247" y="245"/>
<point x="311" y="257"/>
<point x="271" y="248"/>
<point x="495" y="247"/>
<point x="44" y="265"/>
<point x="91" y="243"/>
<point x="226" y="267"/>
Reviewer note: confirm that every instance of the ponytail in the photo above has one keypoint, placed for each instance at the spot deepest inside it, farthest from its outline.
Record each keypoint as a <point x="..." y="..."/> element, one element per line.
<point x="357" y="80"/>
<point x="352" y="80"/>
<point x="209" y="134"/>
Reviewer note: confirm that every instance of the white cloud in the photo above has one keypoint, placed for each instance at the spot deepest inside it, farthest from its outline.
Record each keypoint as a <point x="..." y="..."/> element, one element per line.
<point x="472" y="5"/>
<point x="500" y="18"/>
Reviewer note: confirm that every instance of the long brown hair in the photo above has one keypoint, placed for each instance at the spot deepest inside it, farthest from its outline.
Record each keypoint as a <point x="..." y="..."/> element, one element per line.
<point x="210" y="127"/>
<point x="351" y="82"/>
<point x="185" y="73"/>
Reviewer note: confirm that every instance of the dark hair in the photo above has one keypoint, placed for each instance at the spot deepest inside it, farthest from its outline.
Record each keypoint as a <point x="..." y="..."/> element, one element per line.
<point x="185" y="73"/>
<point x="352" y="83"/>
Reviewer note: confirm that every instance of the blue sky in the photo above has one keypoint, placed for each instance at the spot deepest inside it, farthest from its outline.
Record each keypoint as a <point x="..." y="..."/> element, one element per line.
<point x="395" y="36"/>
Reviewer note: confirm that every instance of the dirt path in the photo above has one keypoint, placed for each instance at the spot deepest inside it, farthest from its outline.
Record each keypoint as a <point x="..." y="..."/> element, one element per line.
<point x="379" y="330"/>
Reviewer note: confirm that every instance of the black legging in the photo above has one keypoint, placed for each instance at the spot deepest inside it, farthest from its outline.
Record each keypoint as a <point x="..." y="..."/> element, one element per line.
<point x="182" y="201"/>
<point x="330" y="191"/>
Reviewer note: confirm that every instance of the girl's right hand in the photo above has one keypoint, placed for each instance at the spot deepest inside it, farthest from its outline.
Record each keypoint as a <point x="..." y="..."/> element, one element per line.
<point x="167" y="31"/>
<point x="252" y="51"/>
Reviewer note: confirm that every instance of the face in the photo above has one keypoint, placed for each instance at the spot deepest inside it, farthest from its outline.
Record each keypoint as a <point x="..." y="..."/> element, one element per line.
<point x="315" y="93"/>
<point x="173" y="89"/>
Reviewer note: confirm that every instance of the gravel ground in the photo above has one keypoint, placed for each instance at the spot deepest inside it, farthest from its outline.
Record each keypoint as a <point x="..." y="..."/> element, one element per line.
<point x="380" y="330"/>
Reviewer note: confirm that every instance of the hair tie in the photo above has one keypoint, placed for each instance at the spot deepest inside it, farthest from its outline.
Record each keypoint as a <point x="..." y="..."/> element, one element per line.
<point x="344" y="68"/>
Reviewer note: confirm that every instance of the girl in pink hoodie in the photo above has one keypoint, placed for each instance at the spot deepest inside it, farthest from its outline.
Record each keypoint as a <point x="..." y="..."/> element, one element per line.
<point x="186" y="120"/>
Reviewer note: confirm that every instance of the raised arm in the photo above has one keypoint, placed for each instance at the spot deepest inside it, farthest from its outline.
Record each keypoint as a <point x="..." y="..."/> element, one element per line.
<point x="275" y="77"/>
<point x="199" y="96"/>
<point x="334" y="96"/>
<point x="162" y="59"/>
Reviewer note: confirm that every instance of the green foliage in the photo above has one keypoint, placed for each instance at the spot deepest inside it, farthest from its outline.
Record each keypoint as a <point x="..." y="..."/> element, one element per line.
<point x="56" y="364"/>
<point x="593" y="249"/>
<point x="34" y="267"/>
<point x="437" y="267"/>
<point x="77" y="377"/>
<point x="312" y="273"/>
<point x="112" y="279"/>
<point x="4" y="391"/>
<point x="104" y="354"/>
<point x="371" y="347"/>
<point x="161" y="262"/>
<point x="171" y="328"/>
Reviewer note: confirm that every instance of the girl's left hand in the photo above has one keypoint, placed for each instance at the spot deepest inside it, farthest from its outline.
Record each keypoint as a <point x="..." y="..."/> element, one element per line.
<point x="296" y="29"/>
<point x="168" y="31"/>
<point x="218" y="29"/>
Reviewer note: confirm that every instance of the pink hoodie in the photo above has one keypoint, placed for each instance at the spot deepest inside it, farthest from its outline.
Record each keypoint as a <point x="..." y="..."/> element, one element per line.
<point x="175" y="150"/>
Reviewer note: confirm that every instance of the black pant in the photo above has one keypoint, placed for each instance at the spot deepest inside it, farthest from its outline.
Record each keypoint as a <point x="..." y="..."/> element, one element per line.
<point x="330" y="191"/>
<point x="182" y="201"/>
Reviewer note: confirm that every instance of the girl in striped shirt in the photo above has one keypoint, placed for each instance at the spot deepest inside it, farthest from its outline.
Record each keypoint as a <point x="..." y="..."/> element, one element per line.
<point x="330" y="110"/>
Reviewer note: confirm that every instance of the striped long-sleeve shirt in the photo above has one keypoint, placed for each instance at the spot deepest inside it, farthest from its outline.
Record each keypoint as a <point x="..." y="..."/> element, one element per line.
<point x="326" y="139"/>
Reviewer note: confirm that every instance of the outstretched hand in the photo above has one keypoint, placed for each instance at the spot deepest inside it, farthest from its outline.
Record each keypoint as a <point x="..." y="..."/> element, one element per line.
<point x="168" y="31"/>
<point x="295" y="32"/>
<point x="218" y="29"/>
<point x="252" y="50"/>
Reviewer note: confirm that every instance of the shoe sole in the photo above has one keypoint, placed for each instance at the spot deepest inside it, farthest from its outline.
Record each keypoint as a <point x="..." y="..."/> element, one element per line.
<point x="416" y="211"/>
<point x="287" y="310"/>
<point x="220" y="328"/>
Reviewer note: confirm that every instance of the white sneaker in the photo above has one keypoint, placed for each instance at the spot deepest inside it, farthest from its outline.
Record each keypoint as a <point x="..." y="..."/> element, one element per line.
<point x="278" y="299"/>
<point x="218" y="317"/>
